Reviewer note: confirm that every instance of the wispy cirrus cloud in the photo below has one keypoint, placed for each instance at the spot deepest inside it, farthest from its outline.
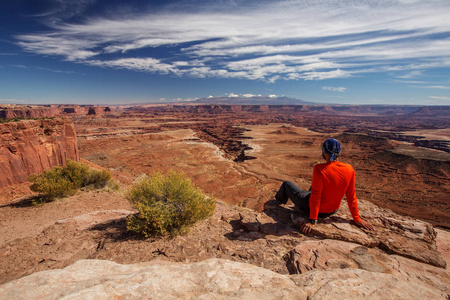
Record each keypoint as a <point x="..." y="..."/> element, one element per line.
<point x="19" y="66"/>
<point x="438" y="87"/>
<point x="441" y="87"/>
<point x="334" y="89"/>
<point x="440" y="98"/>
<point x="411" y="74"/>
<point x="282" y="40"/>
<point x="11" y="101"/>
<point x="42" y="69"/>
<point x="56" y="70"/>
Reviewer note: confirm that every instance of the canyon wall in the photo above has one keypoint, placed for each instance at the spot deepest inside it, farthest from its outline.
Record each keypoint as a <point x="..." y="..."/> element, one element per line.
<point x="32" y="146"/>
<point x="12" y="111"/>
<point x="43" y="112"/>
<point x="373" y="110"/>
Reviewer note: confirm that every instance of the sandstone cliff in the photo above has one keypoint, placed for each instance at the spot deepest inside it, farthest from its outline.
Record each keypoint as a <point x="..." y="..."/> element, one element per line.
<point x="27" y="112"/>
<point x="32" y="146"/>
<point x="13" y="111"/>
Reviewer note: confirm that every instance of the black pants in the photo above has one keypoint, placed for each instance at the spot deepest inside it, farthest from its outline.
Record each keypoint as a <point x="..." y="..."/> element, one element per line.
<point x="299" y="197"/>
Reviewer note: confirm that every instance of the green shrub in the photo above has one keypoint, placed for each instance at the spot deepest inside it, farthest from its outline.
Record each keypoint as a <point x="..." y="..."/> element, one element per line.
<point x="99" y="179"/>
<point x="65" y="181"/>
<point x="52" y="184"/>
<point x="77" y="173"/>
<point x="167" y="205"/>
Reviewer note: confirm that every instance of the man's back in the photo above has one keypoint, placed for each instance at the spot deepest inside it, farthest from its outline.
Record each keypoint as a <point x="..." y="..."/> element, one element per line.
<point x="331" y="180"/>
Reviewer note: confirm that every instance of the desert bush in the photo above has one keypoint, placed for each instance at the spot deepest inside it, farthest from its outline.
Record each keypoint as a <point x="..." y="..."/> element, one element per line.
<point x="52" y="184"/>
<point x="65" y="181"/>
<point x="99" y="179"/>
<point x="167" y="205"/>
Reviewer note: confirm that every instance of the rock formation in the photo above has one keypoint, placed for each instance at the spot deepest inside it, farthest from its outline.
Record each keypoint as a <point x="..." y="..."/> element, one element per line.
<point x="209" y="279"/>
<point x="245" y="255"/>
<point x="12" y="111"/>
<point x="26" y="112"/>
<point x="32" y="146"/>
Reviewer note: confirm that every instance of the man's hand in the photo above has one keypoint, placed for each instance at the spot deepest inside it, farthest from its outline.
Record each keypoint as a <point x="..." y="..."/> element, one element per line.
<point x="306" y="227"/>
<point x="365" y="225"/>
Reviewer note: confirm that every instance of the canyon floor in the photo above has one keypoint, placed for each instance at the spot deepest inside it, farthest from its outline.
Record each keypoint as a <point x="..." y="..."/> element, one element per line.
<point x="241" y="161"/>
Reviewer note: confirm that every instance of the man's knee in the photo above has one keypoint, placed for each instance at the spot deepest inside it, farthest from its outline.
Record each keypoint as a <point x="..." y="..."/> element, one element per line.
<point x="289" y="185"/>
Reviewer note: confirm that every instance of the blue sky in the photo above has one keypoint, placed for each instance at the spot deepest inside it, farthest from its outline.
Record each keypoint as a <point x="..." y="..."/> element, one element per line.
<point x="329" y="51"/>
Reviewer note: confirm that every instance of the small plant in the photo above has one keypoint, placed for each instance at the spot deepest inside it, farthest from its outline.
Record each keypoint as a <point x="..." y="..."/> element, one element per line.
<point x="52" y="184"/>
<point x="167" y="205"/>
<point x="65" y="181"/>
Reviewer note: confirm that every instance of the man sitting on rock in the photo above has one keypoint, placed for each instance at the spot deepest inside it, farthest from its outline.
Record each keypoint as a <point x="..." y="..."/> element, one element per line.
<point x="331" y="180"/>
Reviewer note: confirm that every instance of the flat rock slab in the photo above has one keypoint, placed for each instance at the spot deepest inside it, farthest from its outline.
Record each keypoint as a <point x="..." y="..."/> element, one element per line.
<point x="209" y="279"/>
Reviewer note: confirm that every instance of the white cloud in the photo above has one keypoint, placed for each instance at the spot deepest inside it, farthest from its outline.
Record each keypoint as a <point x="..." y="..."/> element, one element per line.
<point x="72" y="49"/>
<point x="409" y="81"/>
<point x="11" y="101"/>
<point x="233" y="95"/>
<point x="19" y="66"/>
<point x="411" y="74"/>
<point x="273" y="96"/>
<point x="326" y="75"/>
<point x="334" y="89"/>
<point x="248" y="95"/>
<point x="440" y="98"/>
<point x="441" y="87"/>
<point x="55" y="70"/>
<point x="138" y="64"/>
<point x="273" y="78"/>
<point x="316" y="40"/>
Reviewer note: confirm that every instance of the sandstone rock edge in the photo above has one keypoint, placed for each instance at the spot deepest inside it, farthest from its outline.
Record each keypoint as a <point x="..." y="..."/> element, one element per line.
<point x="208" y="279"/>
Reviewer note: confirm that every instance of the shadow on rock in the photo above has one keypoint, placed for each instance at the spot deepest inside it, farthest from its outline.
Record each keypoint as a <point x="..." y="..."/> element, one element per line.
<point x="275" y="220"/>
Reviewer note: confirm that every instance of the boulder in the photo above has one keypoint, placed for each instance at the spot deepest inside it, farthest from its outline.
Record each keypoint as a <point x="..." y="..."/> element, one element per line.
<point x="100" y="279"/>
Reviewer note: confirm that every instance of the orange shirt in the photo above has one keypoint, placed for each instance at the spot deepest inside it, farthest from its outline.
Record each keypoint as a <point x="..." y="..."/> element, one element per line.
<point x="331" y="180"/>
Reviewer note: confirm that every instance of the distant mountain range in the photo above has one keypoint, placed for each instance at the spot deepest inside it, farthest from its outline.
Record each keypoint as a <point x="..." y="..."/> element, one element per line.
<point x="257" y="100"/>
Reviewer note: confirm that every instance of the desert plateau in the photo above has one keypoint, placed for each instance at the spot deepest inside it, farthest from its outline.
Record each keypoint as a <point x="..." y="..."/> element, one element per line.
<point x="232" y="149"/>
<point x="239" y="155"/>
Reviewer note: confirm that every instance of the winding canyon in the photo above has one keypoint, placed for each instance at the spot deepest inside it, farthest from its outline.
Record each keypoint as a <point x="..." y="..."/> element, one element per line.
<point x="238" y="154"/>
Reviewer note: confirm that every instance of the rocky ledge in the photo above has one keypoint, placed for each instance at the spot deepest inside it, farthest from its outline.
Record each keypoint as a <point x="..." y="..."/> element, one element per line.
<point x="235" y="254"/>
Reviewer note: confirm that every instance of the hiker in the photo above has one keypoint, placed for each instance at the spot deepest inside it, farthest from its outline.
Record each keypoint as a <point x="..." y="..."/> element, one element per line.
<point x="331" y="180"/>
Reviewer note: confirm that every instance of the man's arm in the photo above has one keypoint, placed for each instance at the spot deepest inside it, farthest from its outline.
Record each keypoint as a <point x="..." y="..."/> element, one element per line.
<point x="352" y="202"/>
